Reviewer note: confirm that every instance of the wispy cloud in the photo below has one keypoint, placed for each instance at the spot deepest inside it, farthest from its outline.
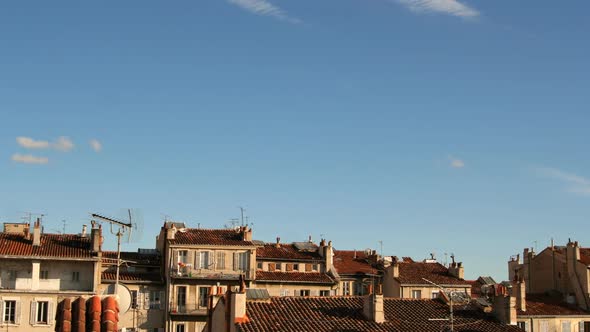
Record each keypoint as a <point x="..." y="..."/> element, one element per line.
<point x="456" y="163"/>
<point x="449" y="7"/>
<point x="29" y="159"/>
<point x="29" y="143"/>
<point x="63" y="143"/>
<point x="264" y="8"/>
<point x="575" y="184"/>
<point x="95" y="145"/>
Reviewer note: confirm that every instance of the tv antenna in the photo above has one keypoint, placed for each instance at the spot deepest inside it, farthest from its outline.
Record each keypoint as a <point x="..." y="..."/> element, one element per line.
<point x="124" y="228"/>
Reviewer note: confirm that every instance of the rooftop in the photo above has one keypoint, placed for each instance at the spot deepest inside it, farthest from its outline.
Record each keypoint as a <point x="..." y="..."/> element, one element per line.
<point x="349" y="262"/>
<point x="541" y="305"/>
<point x="287" y="251"/>
<point x="413" y="272"/>
<point x="345" y="314"/>
<point x="297" y="277"/>
<point x="110" y="257"/>
<point x="198" y="236"/>
<point x="51" y="246"/>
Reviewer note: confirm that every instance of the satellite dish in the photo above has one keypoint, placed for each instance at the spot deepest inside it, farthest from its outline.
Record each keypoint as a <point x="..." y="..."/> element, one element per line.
<point x="124" y="296"/>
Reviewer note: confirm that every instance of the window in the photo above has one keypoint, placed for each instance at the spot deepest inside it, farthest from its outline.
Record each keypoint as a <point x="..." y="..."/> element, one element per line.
<point x="76" y="276"/>
<point x="285" y="292"/>
<point x="279" y="267"/>
<point x="324" y="293"/>
<point x="295" y="267"/>
<point x="153" y="299"/>
<point x="181" y="298"/>
<point x="314" y="267"/>
<point x="346" y="288"/>
<point x="203" y="296"/>
<point x="523" y="326"/>
<point x="416" y="294"/>
<point x="585" y="326"/>
<point x="180" y="328"/>
<point x="434" y="295"/>
<point x="259" y="266"/>
<point x="220" y="260"/>
<point x="544" y="326"/>
<point x="304" y="292"/>
<point x="566" y="326"/>
<point x="289" y="267"/>
<point x="9" y="314"/>
<point x="41" y="312"/>
<point x="241" y="261"/>
<point x="272" y="267"/>
<point x="133" y="299"/>
<point x="203" y="260"/>
<point x="44" y="275"/>
<point x="183" y="256"/>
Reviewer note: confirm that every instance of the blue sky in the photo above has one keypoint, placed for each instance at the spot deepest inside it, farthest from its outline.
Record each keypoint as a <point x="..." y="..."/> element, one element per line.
<point x="432" y="125"/>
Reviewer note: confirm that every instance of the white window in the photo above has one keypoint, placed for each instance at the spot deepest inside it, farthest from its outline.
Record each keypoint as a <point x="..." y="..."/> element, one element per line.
<point x="203" y="260"/>
<point x="304" y="292"/>
<point x="566" y="326"/>
<point x="76" y="276"/>
<point x="241" y="261"/>
<point x="416" y="294"/>
<point x="153" y="299"/>
<point x="523" y="326"/>
<point x="41" y="312"/>
<point x="180" y="328"/>
<point x="434" y="295"/>
<point x="10" y="312"/>
<point x="324" y="293"/>
<point x="346" y="287"/>
<point x="221" y="260"/>
<point x="285" y="292"/>
<point x="183" y="256"/>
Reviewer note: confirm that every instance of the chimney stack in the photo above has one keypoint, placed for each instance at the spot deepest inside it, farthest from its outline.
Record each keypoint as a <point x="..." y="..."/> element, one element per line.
<point x="96" y="238"/>
<point x="246" y="233"/>
<point x="84" y="230"/>
<point x="278" y="244"/>
<point x="504" y="305"/>
<point x="373" y="308"/>
<point x="520" y="294"/>
<point x="171" y="232"/>
<point x="457" y="270"/>
<point x="328" y="256"/>
<point x="37" y="233"/>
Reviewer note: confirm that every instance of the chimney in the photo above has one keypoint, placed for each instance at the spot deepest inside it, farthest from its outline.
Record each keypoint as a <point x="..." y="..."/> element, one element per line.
<point x="457" y="270"/>
<point x="26" y="231"/>
<point x="278" y="244"/>
<point x="171" y="233"/>
<point x="309" y="239"/>
<point x="328" y="254"/>
<point x="395" y="267"/>
<point x="519" y="292"/>
<point x="504" y="305"/>
<point x="373" y="308"/>
<point x="84" y="230"/>
<point x="238" y="304"/>
<point x="246" y="233"/>
<point x="96" y="237"/>
<point x="37" y="233"/>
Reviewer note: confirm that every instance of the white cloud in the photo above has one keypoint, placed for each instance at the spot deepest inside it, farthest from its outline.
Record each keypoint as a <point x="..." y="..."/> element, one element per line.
<point x="456" y="163"/>
<point x="575" y="184"/>
<point x="95" y="145"/>
<point x="29" y="159"/>
<point x="29" y="143"/>
<point x="264" y="8"/>
<point x="449" y="7"/>
<point x="63" y="144"/>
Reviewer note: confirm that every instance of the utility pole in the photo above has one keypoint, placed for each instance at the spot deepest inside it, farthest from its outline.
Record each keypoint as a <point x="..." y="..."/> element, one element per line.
<point x="450" y="294"/>
<point x="242" y="214"/>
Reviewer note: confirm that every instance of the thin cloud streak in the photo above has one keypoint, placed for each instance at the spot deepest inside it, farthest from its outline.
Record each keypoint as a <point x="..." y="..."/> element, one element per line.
<point x="29" y="159"/>
<point x="575" y="184"/>
<point x="95" y="145"/>
<point x="456" y="163"/>
<point x="264" y="8"/>
<point x="29" y="143"/>
<point x="449" y="7"/>
<point x="63" y="144"/>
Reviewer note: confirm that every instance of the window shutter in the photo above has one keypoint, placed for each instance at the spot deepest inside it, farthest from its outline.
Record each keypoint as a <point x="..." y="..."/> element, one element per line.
<point x="146" y="302"/>
<point x="581" y="327"/>
<point x="3" y="311"/>
<point x="211" y="260"/>
<point x="307" y="267"/>
<point x="161" y="305"/>
<point x="33" y="313"/>
<point x="17" y="313"/>
<point x="50" y="313"/>
<point x="272" y="267"/>
<point x="235" y="261"/>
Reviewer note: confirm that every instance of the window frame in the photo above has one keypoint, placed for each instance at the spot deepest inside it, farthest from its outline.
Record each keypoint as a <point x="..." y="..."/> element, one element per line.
<point x="416" y="292"/>
<point x="203" y="297"/>
<point x="220" y="260"/>
<point x="14" y="312"/>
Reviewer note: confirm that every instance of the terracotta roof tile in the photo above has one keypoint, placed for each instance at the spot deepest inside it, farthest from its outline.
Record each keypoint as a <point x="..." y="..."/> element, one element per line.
<point x="52" y="246"/>
<point x="540" y="304"/>
<point x="110" y="257"/>
<point x="198" y="236"/>
<point x="286" y="251"/>
<point x="412" y="273"/>
<point x="340" y="313"/>
<point x="346" y="263"/>
<point x="296" y="277"/>
<point x="110" y="275"/>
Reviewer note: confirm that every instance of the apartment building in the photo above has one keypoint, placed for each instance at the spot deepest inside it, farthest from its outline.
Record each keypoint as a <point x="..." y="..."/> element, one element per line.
<point x="38" y="270"/>
<point x="141" y="288"/>
<point x="407" y="278"/>
<point x="358" y="270"/>
<point x="296" y="269"/>
<point x="196" y="259"/>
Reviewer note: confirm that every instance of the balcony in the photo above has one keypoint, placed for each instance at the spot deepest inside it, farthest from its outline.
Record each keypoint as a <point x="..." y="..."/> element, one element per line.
<point x="188" y="309"/>
<point x="188" y="272"/>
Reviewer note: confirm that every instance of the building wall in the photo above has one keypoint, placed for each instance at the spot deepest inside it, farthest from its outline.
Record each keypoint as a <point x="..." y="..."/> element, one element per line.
<point x="292" y="289"/>
<point x="24" y="320"/>
<point x="553" y="324"/>
<point x="60" y="275"/>
<point x="427" y="292"/>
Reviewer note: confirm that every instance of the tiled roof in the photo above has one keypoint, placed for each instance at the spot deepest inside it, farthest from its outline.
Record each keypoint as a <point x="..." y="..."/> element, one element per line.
<point x="198" y="236"/>
<point x="540" y="305"/>
<point x="349" y="262"/>
<point x="52" y="246"/>
<point x="412" y="273"/>
<point x="110" y="257"/>
<point x="340" y="313"/>
<point x="296" y="277"/>
<point x="110" y="275"/>
<point x="475" y="288"/>
<point x="585" y="255"/>
<point x="285" y="252"/>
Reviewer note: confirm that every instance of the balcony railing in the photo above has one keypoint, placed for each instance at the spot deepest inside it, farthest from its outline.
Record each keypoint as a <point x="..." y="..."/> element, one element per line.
<point x="188" y="272"/>
<point x="187" y="309"/>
